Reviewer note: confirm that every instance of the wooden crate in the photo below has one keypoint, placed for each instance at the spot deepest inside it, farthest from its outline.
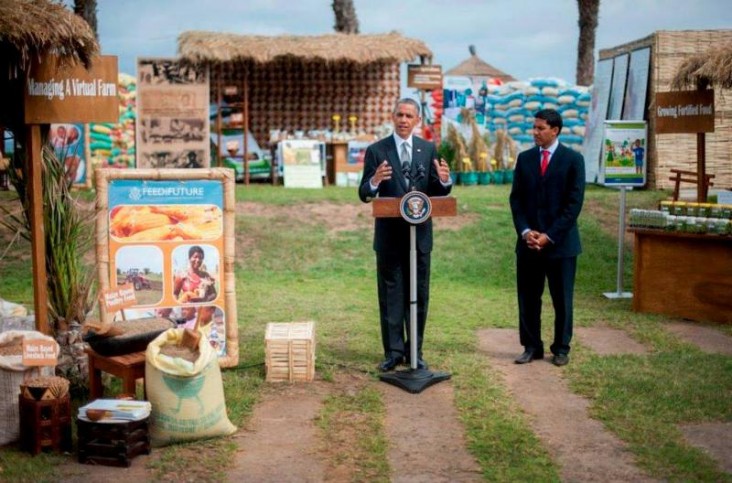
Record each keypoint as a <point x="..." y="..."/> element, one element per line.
<point x="290" y="351"/>
<point x="45" y="424"/>
<point x="112" y="444"/>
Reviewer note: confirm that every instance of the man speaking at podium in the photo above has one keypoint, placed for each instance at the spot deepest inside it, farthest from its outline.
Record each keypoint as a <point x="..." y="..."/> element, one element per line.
<point x="392" y="166"/>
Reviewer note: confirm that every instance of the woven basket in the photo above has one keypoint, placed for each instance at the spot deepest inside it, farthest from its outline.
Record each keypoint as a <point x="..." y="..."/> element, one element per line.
<point x="136" y="335"/>
<point x="43" y="388"/>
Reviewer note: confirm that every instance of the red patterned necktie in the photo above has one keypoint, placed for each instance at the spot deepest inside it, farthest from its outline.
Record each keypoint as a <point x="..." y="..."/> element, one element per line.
<point x="544" y="160"/>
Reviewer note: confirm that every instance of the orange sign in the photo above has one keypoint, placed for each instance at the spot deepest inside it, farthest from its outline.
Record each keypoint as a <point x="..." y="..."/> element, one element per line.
<point x="120" y="298"/>
<point x="684" y="112"/>
<point x="59" y="93"/>
<point x="39" y="352"/>
<point x="425" y="77"/>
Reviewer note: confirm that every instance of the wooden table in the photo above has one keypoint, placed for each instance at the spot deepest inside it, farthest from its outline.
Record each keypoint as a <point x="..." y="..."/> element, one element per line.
<point x="683" y="275"/>
<point x="129" y="367"/>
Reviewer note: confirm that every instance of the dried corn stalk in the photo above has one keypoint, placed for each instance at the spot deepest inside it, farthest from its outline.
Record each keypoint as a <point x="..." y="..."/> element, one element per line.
<point x="461" y="152"/>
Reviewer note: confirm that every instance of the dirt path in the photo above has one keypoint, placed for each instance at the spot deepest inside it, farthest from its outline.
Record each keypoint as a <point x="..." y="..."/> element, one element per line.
<point x="280" y="442"/>
<point x="706" y="338"/>
<point x="74" y="472"/>
<point x="606" y="341"/>
<point x="583" y="448"/>
<point x="426" y="439"/>
<point x="713" y="438"/>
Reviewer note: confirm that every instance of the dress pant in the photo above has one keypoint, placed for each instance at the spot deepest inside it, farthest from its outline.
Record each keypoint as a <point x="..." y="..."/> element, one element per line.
<point x="532" y="268"/>
<point x="392" y="270"/>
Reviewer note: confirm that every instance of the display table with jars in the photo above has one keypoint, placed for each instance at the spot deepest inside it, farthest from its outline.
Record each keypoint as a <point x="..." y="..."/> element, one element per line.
<point x="683" y="261"/>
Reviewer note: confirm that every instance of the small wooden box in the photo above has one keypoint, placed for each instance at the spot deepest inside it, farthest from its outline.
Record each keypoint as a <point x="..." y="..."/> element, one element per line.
<point x="45" y="424"/>
<point x="112" y="444"/>
<point x="290" y="351"/>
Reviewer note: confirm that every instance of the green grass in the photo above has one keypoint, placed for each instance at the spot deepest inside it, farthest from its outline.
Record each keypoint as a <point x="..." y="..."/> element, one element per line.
<point x="293" y="271"/>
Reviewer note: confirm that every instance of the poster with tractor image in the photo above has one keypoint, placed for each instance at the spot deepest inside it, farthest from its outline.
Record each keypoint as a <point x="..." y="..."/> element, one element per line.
<point x="166" y="234"/>
<point x="624" y="153"/>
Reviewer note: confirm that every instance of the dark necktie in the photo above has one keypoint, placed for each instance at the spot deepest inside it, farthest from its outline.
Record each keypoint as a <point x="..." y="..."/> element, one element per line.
<point x="544" y="160"/>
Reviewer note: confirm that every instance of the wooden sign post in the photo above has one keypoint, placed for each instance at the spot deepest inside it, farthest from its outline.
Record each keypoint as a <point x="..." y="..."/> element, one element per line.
<point x="688" y="112"/>
<point x="59" y="93"/>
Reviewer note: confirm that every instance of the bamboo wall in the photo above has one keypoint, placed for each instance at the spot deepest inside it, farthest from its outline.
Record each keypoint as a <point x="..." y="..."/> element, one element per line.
<point x="294" y="95"/>
<point x="667" y="151"/>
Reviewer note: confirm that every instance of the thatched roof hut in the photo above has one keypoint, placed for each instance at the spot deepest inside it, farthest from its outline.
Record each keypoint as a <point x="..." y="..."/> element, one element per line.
<point x="221" y="48"/>
<point x="476" y="67"/>
<point x="30" y="29"/>
<point x="710" y="68"/>
<point x="300" y="83"/>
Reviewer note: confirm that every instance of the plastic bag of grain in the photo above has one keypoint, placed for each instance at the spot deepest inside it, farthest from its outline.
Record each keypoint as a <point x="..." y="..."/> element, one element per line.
<point x="185" y="389"/>
<point x="12" y="374"/>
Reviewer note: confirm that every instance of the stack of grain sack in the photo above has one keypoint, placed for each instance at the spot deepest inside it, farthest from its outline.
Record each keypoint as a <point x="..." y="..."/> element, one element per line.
<point x="113" y="144"/>
<point x="511" y="107"/>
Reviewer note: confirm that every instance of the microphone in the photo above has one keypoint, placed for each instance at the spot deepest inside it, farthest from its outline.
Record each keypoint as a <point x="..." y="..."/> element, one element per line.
<point x="406" y="167"/>
<point x="420" y="172"/>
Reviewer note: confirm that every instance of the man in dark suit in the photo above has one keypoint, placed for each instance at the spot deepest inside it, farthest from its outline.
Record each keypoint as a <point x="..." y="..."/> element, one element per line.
<point x="391" y="166"/>
<point x="546" y="199"/>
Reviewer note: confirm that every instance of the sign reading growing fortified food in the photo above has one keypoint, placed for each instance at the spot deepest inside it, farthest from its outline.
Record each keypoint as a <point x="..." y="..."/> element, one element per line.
<point x="57" y="93"/>
<point x="167" y="236"/>
<point x="684" y="112"/>
<point x="425" y="77"/>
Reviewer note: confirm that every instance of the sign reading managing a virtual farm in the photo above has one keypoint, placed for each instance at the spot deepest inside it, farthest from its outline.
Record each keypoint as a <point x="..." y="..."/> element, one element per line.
<point x="167" y="238"/>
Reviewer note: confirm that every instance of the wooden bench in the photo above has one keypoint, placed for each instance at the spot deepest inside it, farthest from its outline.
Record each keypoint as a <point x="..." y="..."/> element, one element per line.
<point x="681" y="176"/>
<point x="128" y="367"/>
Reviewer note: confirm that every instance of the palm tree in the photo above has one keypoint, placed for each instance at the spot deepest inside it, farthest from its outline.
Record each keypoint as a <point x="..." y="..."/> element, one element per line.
<point x="588" y="16"/>
<point x="345" y="14"/>
<point x="87" y="9"/>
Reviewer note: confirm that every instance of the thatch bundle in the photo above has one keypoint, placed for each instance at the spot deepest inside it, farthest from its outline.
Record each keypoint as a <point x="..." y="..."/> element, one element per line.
<point x="713" y="67"/>
<point x="30" y="29"/>
<point x="220" y="48"/>
<point x="462" y="157"/>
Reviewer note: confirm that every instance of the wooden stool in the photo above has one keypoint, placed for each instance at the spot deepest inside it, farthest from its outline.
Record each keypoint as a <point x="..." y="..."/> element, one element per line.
<point x="129" y="367"/>
<point x="45" y="424"/>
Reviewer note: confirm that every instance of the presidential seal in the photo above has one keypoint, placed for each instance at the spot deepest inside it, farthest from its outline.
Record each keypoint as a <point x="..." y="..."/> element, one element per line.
<point x="415" y="207"/>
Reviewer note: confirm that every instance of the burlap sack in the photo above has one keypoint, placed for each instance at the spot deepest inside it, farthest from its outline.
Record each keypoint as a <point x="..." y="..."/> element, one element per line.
<point x="187" y="397"/>
<point x="12" y="374"/>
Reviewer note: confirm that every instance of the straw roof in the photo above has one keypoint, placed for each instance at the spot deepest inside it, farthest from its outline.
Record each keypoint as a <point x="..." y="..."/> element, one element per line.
<point x="32" y="28"/>
<point x="713" y="67"/>
<point x="474" y="66"/>
<point x="215" y="48"/>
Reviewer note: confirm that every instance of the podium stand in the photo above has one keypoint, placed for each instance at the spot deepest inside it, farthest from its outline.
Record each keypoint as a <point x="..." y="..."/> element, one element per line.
<point x="415" y="208"/>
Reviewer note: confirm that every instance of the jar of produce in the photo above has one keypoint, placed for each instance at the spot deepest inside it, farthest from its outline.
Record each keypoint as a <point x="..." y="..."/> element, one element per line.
<point x="679" y="208"/>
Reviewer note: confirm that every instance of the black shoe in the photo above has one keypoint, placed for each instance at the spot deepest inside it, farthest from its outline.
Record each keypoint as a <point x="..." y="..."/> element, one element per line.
<point x="560" y="360"/>
<point x="528" y="356"/>
<point x="390" y="363"/>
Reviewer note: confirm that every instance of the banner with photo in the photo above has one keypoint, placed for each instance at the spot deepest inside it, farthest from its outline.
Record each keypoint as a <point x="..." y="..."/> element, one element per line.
<point x="303" y="163"/>
<point x="173" y="123"/>
<point x="167" y="237"/>
<point x="349" y="173"/>
<point x="69" y="143"/>
<point x="624" y="153"/>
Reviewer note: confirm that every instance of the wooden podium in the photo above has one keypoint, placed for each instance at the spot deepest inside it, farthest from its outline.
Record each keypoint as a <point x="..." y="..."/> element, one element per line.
<point x="415" y="208"/>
